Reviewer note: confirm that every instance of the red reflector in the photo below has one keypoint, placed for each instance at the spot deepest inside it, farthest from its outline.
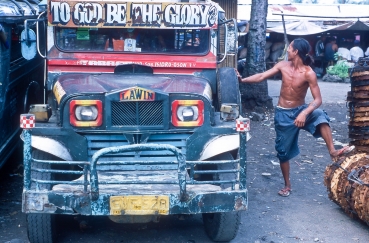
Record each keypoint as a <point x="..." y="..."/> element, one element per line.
<point x="243" y="125"/>
<point x="27" y="121"/>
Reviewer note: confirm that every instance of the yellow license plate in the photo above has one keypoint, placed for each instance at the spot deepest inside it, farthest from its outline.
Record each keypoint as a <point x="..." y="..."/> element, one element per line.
<point x="139" y="205"/>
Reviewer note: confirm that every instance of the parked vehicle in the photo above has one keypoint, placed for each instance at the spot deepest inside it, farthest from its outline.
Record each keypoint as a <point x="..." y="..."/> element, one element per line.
<point x="20" y="78"/>
<point x="143" y="122"/>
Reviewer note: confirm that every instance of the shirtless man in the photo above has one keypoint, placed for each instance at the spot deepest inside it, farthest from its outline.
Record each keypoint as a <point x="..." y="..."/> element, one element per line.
<point x="291" y="113"/>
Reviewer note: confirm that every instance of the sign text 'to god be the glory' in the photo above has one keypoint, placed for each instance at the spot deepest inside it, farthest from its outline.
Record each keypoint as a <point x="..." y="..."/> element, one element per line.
<point x="99" y="14"/>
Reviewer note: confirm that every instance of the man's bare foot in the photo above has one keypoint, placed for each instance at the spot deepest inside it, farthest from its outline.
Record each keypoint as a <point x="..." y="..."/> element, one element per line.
<point x="337" y="153"/>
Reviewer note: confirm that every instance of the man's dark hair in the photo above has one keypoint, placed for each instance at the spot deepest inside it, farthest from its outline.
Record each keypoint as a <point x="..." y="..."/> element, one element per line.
<point x="303" y="48"/>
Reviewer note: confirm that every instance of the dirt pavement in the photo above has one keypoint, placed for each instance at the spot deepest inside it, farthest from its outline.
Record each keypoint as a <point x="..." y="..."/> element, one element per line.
<point x="306" y="216"/>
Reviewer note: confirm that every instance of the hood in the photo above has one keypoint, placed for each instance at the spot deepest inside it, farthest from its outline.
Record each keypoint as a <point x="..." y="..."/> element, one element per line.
<point x="72" y="84"/>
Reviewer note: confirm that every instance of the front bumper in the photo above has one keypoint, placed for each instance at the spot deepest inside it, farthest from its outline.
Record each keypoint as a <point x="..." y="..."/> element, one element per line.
<point x="57" y="202"/>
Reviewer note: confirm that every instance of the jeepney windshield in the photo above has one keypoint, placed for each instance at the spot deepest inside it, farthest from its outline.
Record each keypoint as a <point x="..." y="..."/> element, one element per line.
<point x="177" y="41"/>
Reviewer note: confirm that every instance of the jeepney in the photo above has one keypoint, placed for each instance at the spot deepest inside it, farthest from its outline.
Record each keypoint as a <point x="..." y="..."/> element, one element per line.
<point x="143" y="123"/>
<point x="21" y="77"/>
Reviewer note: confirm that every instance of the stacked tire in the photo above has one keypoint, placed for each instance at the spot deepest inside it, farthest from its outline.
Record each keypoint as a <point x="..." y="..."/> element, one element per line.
<point x="358" y="105"/>
<point x="347" y="180"/>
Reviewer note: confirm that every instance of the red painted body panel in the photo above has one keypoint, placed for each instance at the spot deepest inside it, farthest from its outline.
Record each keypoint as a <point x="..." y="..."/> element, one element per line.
<point x="106" y="62"/>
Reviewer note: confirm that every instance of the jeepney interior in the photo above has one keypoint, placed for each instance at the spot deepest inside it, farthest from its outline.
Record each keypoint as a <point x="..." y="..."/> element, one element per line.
<point x="180" y="41"/>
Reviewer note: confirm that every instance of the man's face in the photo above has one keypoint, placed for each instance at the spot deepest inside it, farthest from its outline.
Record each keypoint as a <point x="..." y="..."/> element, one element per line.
<point x="291" y="52"/>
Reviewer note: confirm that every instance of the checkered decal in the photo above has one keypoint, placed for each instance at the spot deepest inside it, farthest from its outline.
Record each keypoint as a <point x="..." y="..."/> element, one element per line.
<point x="27" y="121"/>
<point x="243" y="125"/>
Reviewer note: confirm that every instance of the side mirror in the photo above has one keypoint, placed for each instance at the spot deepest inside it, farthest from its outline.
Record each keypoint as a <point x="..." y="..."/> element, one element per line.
<point x="231" y="37"/>
<point x="227" y="34"/>
<point x="28" y="44"/>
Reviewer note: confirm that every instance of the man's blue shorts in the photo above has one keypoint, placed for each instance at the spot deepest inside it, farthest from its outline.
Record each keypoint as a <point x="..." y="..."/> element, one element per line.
<point x="287" y="133"/>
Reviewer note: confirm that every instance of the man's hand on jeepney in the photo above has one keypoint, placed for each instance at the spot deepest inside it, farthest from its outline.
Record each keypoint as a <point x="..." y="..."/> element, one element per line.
<point x="238" y="76"/>
<point x="300" y="119"/>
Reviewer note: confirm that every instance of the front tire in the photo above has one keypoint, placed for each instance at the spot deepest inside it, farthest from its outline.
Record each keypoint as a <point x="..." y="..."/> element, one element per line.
<point x="41" y="227"/>
<point x="230" y="166"/>
<point x="221" y="227"/>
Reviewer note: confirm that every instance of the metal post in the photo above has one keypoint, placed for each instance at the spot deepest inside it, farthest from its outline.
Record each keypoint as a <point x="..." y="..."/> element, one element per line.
<point x="27" y="121"/>
<point x="27" y="156"/>
<point x="182" y="176"/>
<point x="243" y="127"/>
<point x="243" y="158"/>
<point x="85" y="178"/>
<point x="284" y="31"/>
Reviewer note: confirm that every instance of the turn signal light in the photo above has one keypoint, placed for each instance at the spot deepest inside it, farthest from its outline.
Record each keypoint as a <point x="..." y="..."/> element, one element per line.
<point x="85" y="113"/>
<point x="187" y="113"/>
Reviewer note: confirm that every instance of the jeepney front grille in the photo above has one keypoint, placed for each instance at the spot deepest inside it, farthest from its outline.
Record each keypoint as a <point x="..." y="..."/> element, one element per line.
<point x="100" y="141"/>
<point x="161" y="158"/>
<point x="137" y="113"/>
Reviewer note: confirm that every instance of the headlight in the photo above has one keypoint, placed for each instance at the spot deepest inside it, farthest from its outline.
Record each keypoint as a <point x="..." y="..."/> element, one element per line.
<point x="187" y="113"/>
<point x="85" y="113"/>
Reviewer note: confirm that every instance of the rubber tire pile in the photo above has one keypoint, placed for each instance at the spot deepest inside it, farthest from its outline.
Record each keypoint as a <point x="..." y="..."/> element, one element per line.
<point x="358" y="105"/>
<point x="347" y="180"/>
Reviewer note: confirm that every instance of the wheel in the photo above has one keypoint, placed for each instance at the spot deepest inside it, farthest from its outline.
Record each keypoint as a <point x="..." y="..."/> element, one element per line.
<point x="225" y="176"/>
<point x="41" y="227"/>
<point x="221" y="226"/>
<point x="228" y="87"/>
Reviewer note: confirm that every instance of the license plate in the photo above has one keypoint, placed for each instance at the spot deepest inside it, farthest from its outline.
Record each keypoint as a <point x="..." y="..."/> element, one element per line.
<point x="139" y="205"/>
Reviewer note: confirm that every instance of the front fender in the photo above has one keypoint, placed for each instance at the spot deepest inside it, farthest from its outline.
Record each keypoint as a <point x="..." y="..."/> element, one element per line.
<point x="220" y="145"/>
<point x="50" y="146"/>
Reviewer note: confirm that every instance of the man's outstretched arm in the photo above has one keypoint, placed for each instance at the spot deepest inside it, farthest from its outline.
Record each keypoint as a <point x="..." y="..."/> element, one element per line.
<point x="256" y="78"/>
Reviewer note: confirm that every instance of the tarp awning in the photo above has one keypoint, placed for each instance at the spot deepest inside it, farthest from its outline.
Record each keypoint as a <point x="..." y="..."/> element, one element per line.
<point x="313" y="12"/>
<point x="357" y="26"/>
<point x="304" y="27"/>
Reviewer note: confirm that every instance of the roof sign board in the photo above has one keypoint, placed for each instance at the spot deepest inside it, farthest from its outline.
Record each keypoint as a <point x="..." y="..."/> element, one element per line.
<point x="90" y="13"/>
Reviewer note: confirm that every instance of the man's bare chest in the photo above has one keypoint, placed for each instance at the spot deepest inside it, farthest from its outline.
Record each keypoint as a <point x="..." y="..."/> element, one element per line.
<point x="292" y="85"/>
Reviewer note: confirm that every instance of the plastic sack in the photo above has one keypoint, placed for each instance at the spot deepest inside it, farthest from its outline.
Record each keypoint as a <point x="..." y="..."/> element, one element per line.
<point x="344" y="53"/>
<point x="356" y="52"/>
